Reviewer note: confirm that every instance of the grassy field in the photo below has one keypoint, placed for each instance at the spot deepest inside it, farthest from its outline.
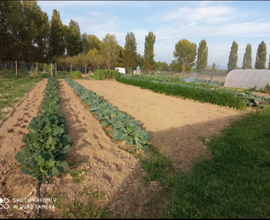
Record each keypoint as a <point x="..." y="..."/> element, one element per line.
<point x="12" y="90"/>
<point x="233" y="184"/>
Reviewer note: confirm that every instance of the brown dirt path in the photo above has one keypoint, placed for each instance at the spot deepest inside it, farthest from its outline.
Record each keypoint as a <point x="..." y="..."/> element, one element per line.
<point x="13" y="184"/>
<point x="176" y="126"/>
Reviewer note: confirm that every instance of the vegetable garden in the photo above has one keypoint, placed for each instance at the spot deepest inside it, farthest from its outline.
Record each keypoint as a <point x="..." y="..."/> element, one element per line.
<point x="78" y="136"/>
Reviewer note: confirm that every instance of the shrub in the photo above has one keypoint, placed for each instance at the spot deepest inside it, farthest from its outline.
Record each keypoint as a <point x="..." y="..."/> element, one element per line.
<point x="76" y="75"/>
<point x="105" y="74"/>
<point x="44" y="75"/>
<point x="62" y="74"/>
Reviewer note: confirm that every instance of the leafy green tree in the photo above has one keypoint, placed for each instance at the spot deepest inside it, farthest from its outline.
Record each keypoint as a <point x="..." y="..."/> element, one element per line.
<point x="174" y="66"/>
<point x="213" y="68"/>
<point x="269" y="63"/>
<point x="22" y="37"/>
<point x="150" y="40"/>
<point x="110" y="49"/>
<point x="261" y="56"/>
<point x="57" y="43"/>
<point x="85" y="43"/>
<point x="94" y="42"/>
<point x="73" y="38"/>
<point x="202" y="57"/>
<point x="120" y="61"/>
<point x="185" y="54"/>
<point x="232" y="64"/>
<point x="247" y="60"/>
<point x="130" y="51"/>
<point x="139" y="60"/>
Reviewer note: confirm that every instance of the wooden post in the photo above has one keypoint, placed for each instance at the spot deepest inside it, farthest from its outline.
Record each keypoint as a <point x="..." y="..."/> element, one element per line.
<point x="55" y="66"/>
<point x="51" y="69"/>
<point x="85" y="70"/>
<point x="36" y="69"/>
<point x="16" y="66"/>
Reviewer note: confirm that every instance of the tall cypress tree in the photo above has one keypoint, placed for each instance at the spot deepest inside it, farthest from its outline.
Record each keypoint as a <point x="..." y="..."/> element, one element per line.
<point x="261" y="56"/>
<point x="73" y="38"/>
<point x="202" y="57"/>
<point x="232" y="64"/>
<point x="247" y="60"/>
<point x="150" y="40"/>
<point x="57" y="44"/>
<point x="130" y="51"/>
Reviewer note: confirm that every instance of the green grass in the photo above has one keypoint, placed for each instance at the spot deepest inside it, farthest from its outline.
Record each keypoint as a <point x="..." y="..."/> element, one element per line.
<point x="235" y="183"/>
<point x="12" y="89"/>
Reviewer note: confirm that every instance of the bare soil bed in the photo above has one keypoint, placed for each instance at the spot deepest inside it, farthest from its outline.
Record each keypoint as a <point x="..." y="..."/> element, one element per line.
<point x="101" y="174"/>
<point x="13" y="184"/>
<point x="176" y="126"/>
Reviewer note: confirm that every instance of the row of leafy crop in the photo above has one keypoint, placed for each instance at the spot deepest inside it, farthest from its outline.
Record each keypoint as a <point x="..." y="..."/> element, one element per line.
<point x="199" y="92"/>
<point x="48" y="141"/>
<point x="204" y="95"/>
<point x="123" y="126"/>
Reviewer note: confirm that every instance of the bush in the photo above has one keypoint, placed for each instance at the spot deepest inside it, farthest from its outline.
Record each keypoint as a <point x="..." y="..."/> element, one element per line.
<point x="62" y="74"/>
<point x="44" y="75"/>
<point x="76" y="75"/>
<point x="105" y="74"/>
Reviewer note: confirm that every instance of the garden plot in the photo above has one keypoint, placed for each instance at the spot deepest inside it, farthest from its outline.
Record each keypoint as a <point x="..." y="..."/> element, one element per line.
<point x="178" y="128"/>
<point x="14" y="184"/>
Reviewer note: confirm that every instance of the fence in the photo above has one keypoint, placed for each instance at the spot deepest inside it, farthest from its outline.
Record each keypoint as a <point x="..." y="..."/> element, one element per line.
<point x="52" y="69"/>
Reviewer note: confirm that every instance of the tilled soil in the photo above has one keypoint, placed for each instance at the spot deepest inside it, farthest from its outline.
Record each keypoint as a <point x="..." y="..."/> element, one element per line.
<point x="176" y="126"/>
<point x="102" y="165"/>
<point x="13" y="184"/>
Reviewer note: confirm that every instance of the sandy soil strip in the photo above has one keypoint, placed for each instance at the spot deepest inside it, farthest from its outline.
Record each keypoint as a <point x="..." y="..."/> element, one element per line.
<point x="107" y="167"/>
<point x="13" y="184"/>
<point x="176" y="126"/>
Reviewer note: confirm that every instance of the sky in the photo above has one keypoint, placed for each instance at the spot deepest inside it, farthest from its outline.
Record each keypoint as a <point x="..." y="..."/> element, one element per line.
<point x="218" y="22"/>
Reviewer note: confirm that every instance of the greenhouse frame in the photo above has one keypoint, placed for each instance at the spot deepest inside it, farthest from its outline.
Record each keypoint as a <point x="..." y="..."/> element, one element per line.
<point x="248" y="78"/>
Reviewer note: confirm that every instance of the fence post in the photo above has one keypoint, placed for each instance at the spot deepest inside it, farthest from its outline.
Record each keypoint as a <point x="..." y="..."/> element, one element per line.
<point x="55" y="66"/>
<point x="51" y="69"/>
<point x="36" y="69"/>
<point x="16" y="66"/>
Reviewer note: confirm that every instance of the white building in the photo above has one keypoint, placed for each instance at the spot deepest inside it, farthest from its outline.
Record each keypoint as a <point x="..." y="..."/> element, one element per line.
<point x="120" y="69"/>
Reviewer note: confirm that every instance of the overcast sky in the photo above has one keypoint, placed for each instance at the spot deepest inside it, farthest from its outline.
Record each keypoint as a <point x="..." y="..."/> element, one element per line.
<point x="217" y="22"/>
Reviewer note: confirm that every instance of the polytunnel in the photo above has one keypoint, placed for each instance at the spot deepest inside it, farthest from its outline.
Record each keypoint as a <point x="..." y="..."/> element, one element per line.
<point x="248" y="78"/>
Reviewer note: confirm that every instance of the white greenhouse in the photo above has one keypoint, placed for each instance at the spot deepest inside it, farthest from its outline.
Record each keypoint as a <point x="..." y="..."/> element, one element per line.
<point x="248" y="78"/>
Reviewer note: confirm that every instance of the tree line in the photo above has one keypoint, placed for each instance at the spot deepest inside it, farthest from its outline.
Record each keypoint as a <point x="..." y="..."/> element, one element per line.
<point x="27" y="34"/>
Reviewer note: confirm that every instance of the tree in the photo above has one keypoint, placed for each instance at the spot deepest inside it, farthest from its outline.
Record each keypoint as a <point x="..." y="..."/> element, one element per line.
<point x="94" y="42"/>
<point x="85" y="43"/>
<point x="261" y="56"/>
<point x="150" y="40"/>
<point x="139" y="60"/>
<point x="213" y="68"/>
<point x="24" y="31"/>
<point x="73" y="38"/>
<point x="232" y="64"/>
<point x="130" y="51"/>
<point x="202" y="57"/>
<point x="119" y="62"/>
<point x="269" y="63"/>
<point x="57" y="43"/>
<point x="185" y="54"/>
<point x="174" y="66"/>
<point x="110" y="49"/>
<point x="247" y="60"/>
